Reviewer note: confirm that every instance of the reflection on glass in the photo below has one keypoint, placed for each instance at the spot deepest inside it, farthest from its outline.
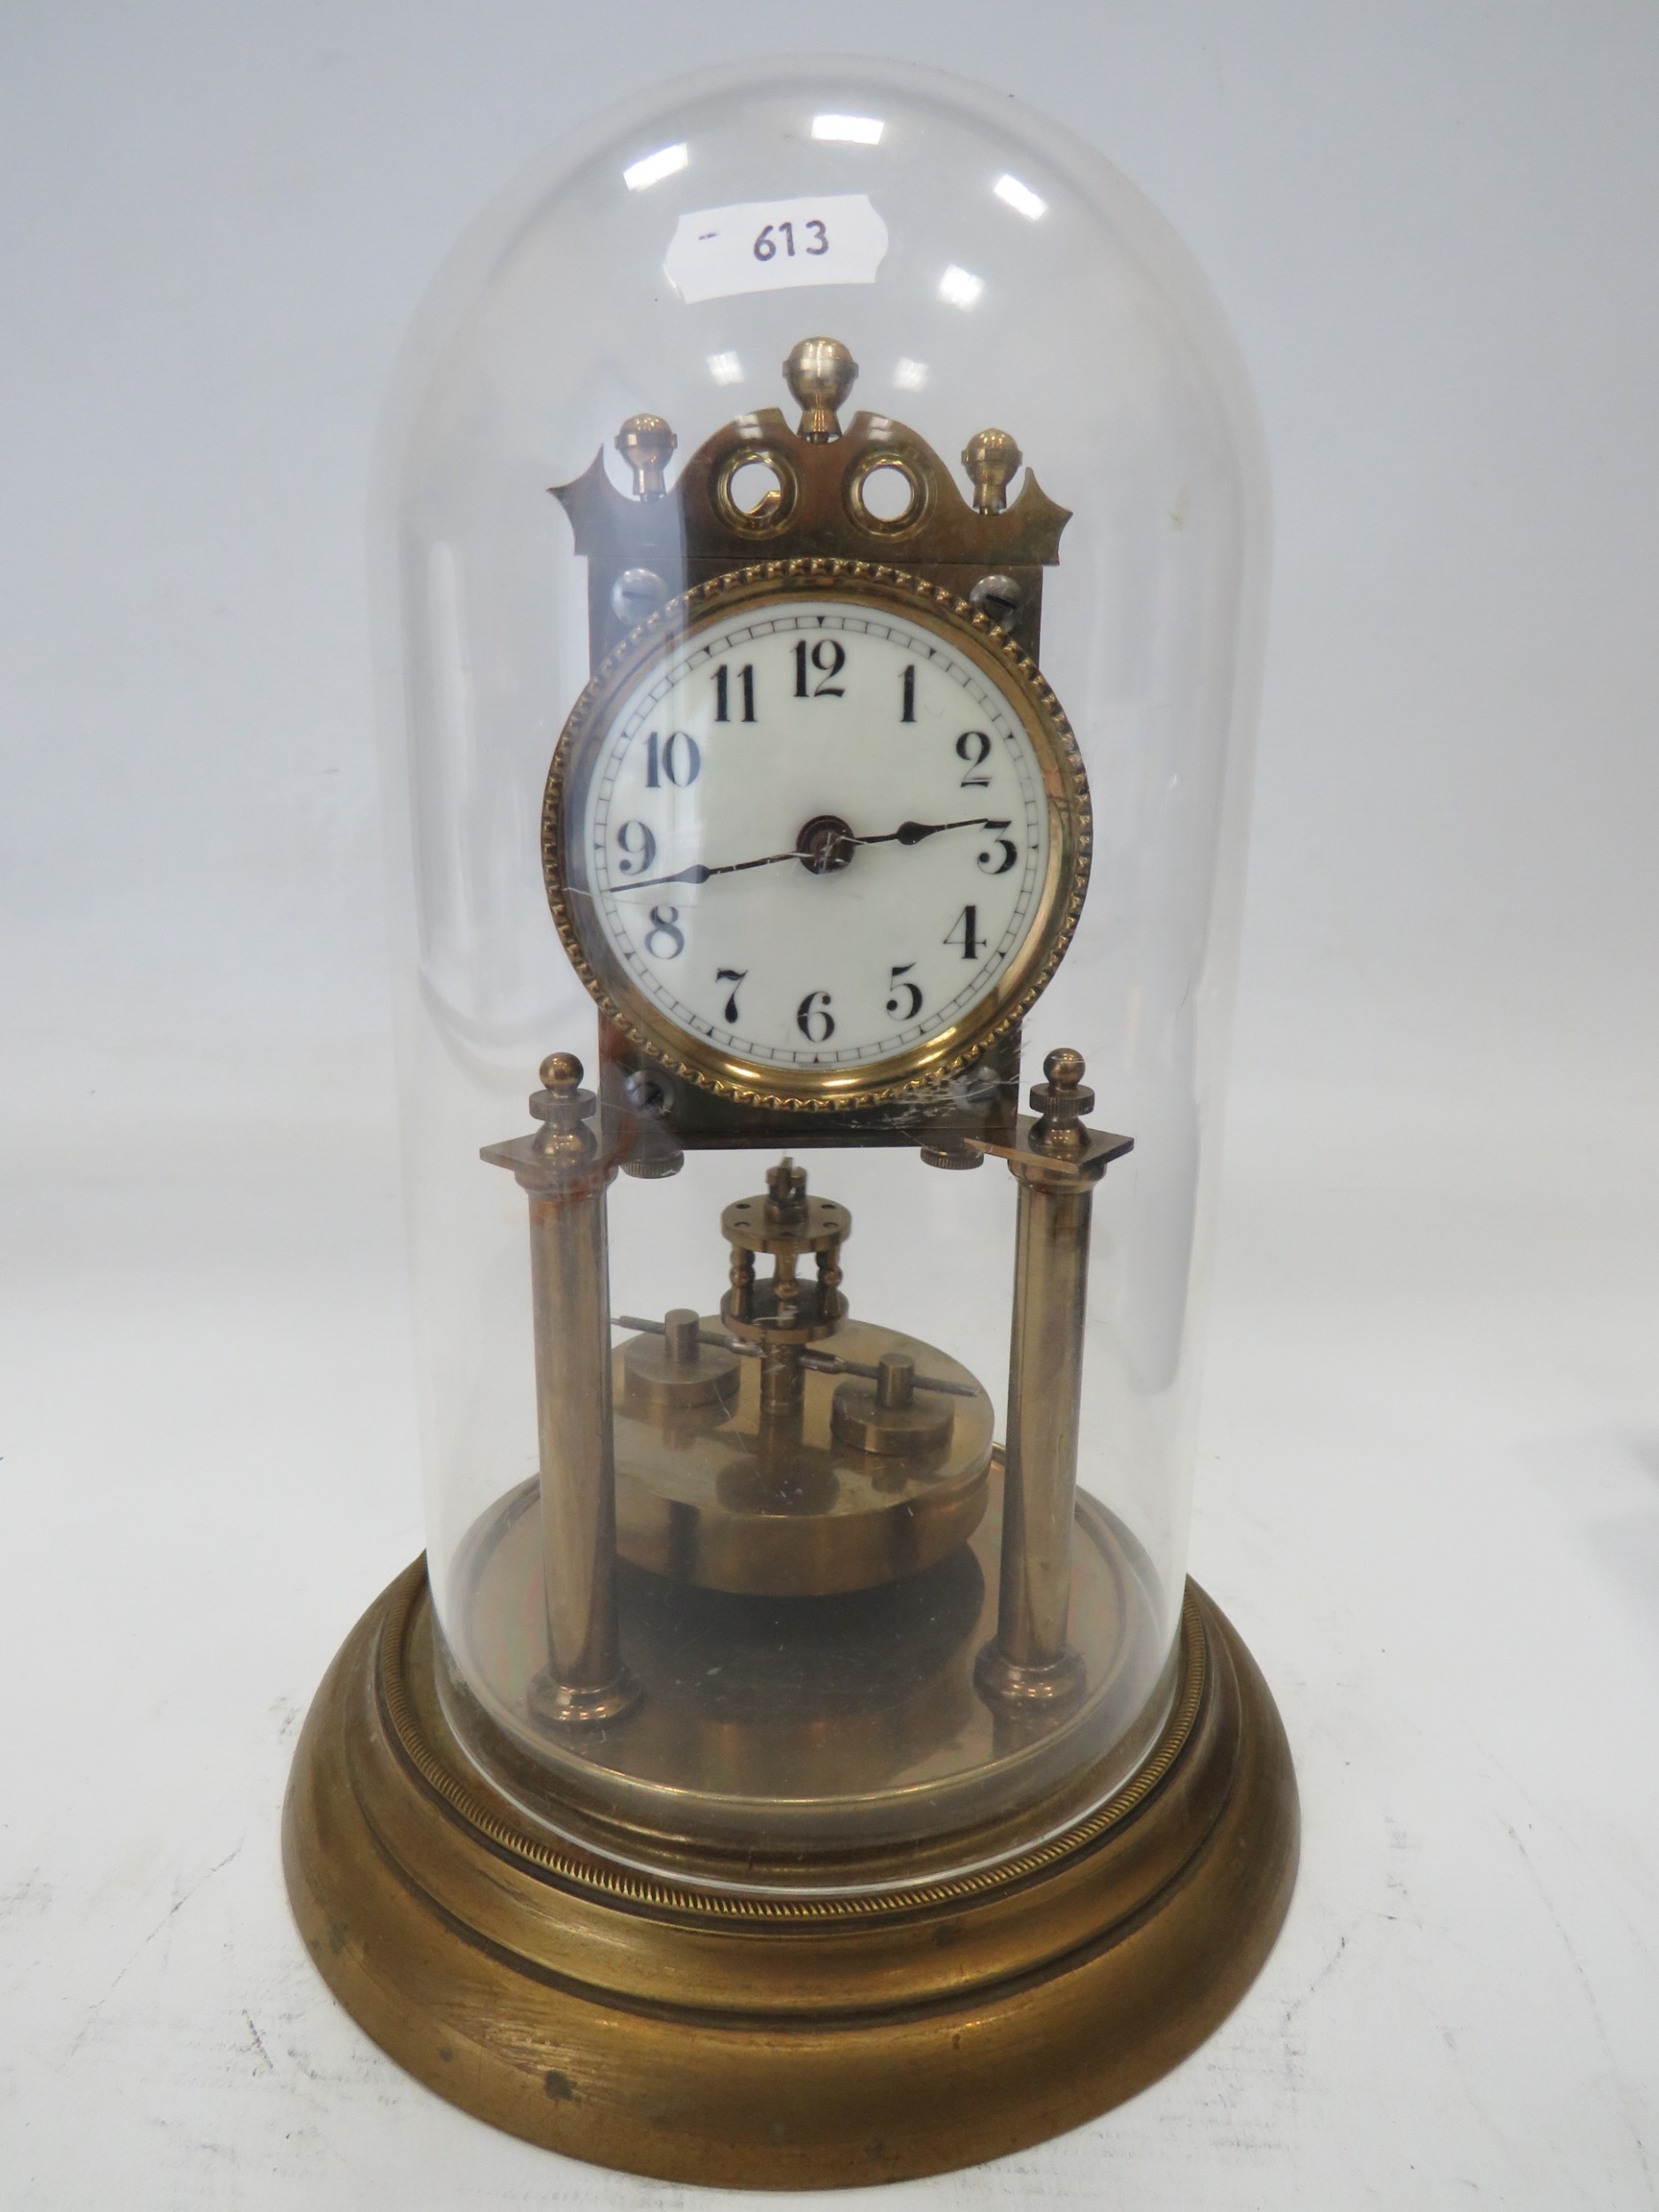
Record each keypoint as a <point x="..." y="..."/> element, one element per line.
<point x="654" y="167"/>
<point x="1020" y="197"/>
<point x="852" y="130"/>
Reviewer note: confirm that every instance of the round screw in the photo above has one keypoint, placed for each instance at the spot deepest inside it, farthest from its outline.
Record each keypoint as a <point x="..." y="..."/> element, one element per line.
<point x="637" y="592"/>
<point x="999" y="597"/>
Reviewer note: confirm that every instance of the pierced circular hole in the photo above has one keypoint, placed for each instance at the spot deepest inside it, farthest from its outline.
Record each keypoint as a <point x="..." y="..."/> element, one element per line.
<point x="756" y="489"/>
<point x="889" y="493"/>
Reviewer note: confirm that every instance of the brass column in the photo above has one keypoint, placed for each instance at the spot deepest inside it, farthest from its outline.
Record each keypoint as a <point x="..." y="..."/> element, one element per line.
<point x="564" y="1175"/>
<point x="1029" y="1665"/>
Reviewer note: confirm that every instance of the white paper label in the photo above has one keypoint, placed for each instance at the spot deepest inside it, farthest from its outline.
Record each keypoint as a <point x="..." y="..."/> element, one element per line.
<point x="771" y="245"/>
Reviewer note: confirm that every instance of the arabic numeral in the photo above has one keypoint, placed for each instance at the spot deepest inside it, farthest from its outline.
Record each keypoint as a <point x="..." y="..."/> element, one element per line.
<point x="826" y="659"/>
<point x="723" y="692"/>
<point x="765" y="246"/>
<point x="813" y="1019"/>
<point x="974" y="747"/>
<point x="638" y="847"/>
<point x="666" y="925"/>
<point x="679" y="761"/>
<point x="989" y="862"/>
<point x="897" y="980"/>
<point x="733" y="976"/>
<point x="964" y="931"/>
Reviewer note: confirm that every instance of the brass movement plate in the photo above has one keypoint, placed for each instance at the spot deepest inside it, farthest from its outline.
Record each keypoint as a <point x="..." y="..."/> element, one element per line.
<point x="770" y="1728"/>
<point x="770" y="2040"/>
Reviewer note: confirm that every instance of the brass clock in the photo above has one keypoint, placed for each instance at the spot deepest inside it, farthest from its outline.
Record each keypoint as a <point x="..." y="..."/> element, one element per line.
<point x="790" y="1783"/>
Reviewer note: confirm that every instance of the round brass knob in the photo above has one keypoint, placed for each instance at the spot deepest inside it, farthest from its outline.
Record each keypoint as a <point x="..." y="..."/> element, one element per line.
<point x="820" y="372"/>
<point x="991" y="457"/>
<point x="645" y="443"/>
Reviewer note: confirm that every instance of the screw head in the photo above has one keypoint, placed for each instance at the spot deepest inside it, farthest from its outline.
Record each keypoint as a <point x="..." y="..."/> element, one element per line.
<point x="637" y="592"/>
<point x="998" y="596"/>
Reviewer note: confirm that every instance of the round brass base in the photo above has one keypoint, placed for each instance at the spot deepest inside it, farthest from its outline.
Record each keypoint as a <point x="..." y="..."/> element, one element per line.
<point x="780" y="2041"/>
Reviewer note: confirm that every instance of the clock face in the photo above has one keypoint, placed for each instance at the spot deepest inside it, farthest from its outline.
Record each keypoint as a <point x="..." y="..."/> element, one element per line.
<point x="812" y="841"/>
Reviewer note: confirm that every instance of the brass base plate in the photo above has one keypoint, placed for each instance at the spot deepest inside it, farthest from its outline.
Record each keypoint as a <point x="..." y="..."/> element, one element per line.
<point x="776" y="2040"/>
<point x="776" y="1736"/>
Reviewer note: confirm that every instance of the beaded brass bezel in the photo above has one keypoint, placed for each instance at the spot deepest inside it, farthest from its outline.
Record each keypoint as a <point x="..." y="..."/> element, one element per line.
<point x="1010" y="998"/>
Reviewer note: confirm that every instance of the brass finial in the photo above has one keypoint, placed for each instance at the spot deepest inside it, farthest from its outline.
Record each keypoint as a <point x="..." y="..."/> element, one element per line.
<point x="562" y="1106"/>
<point x="645" y="443"/>
<point x="990" y="458"/>
<point x="820" y="372"/>
<point x="1062" y="1101"/>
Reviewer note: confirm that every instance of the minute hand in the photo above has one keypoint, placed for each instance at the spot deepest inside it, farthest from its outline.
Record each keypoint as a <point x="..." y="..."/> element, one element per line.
<point x="906" y="833"/>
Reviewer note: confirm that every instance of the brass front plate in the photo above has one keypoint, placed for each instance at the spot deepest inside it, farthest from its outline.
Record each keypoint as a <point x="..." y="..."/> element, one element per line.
<point x="740" y="1500"/>
<point x="769" y="2041"/>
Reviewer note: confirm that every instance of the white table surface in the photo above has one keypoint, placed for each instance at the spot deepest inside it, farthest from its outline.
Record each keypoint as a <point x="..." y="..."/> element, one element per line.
<point x="1429" y="1496"/>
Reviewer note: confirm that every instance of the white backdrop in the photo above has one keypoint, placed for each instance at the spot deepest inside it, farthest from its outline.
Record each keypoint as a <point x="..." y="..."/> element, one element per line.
<point x="1430" y="1489"/>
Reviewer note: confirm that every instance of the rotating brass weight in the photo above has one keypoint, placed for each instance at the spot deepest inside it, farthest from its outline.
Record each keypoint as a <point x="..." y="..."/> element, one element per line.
<point x="754" y="1455"/>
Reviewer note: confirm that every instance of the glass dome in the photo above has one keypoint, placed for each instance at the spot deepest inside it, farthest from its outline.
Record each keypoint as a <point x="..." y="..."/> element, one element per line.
<point x="716" y="1342"/>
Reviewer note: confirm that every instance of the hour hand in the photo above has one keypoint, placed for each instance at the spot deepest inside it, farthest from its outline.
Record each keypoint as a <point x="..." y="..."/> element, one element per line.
<point x="913" y="833"/>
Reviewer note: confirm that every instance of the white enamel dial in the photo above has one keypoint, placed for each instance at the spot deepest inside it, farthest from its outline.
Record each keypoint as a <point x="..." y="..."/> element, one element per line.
<point x="875" y="743"/>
